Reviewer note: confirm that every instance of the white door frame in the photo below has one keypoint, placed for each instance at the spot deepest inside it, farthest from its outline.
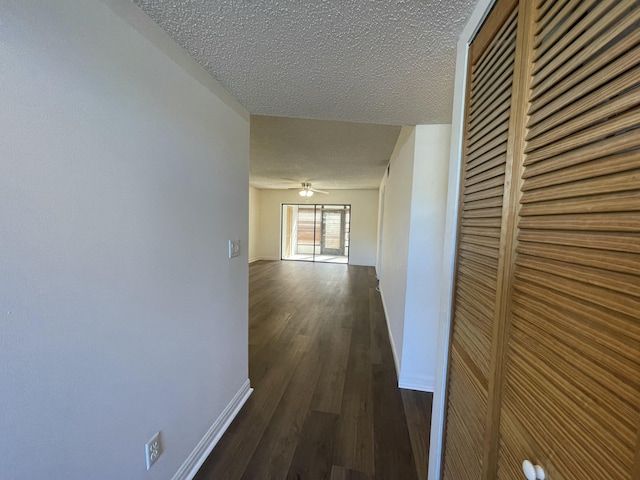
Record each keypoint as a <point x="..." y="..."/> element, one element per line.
<point x="478" y="16"/>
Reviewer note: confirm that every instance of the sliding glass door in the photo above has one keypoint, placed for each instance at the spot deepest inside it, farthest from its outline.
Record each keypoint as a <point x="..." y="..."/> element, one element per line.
<point x="316" y="233"/>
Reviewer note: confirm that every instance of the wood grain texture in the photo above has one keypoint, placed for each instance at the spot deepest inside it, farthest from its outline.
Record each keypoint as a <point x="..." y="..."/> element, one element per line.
<point x="510" y="211"/>
<point x="545" y="338"/>
<point x="491" y="29"/>
<point x="487" y="127"/>
<point x="314" y="452"/>
<point x="418" y="405"/>
<point x="341" y="473"/>
<point x="326" y="403"/>
<point x="572" y="382"/>
<point x="597" y="36"/>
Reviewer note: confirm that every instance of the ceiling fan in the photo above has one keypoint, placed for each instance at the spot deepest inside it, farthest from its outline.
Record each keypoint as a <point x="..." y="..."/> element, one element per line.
<point x="307" y="191"/>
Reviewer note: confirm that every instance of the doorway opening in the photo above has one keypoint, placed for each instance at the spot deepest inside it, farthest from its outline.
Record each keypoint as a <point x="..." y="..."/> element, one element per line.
<point x="315" y="233"/>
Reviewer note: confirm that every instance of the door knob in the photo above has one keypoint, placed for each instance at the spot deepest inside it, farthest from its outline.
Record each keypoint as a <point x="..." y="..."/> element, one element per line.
<point x="532" y="472"/>
<point x="529" y="470"/>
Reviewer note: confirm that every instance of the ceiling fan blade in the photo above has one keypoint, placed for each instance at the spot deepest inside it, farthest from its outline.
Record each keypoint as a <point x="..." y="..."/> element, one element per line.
<point x="319" y="191"/>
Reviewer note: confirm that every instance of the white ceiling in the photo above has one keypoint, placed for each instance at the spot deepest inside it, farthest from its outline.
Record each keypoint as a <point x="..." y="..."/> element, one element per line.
<point x="370" y="61"/>
<point x="331" y="155"/>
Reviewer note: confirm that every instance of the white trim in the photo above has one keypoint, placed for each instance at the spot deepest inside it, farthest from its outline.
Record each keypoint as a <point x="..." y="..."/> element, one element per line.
<point x="204" y="447"/>
<point x="478" y="16"/>
<point x="270" y="259"/>
<point x="422" y="383"/>
<point x="393" y="345"/>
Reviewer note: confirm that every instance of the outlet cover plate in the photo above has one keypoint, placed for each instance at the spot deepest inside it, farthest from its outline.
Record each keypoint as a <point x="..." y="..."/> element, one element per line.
<point x="153" y="449"/>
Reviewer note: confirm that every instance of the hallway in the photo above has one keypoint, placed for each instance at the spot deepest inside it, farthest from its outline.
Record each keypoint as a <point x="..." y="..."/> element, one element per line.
<point x="326" y="403"/>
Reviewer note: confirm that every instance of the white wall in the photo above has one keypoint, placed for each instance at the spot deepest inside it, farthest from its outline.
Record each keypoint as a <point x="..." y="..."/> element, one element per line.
<point x="364" y="215"/>
<point x="395" y="236"/>
<point x="426" y="236"/>
<point x="413" y="213"/>
<point x="123" y="177"/>
<point x="254" y="224"/>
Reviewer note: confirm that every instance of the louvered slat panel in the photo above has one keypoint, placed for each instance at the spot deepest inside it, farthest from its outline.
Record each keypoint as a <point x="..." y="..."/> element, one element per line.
<point x="616" y="125"/>
<point x="481" y="232"/>
<point x="498" y="73"/>
<point x="493" y="139"/>
<point x="483" y="212"/>
<point x="577" y="103"/>
<point x="603" y="259"/>
<point x="499" y="43"/>
<point x="547" y="12"/>
<point x="557" y="70"/>
<point x="572" y="374"/>
<point x="484" y="240"/>
<point x="578" y="323"/>
<point x="491" y="122"/>
<point x="488" y="203"/>
<point x="564" y="93"/>
<point x="481" y="158"/>
<point x="488" y="162"/>
<point x="491" y="110"/>
<point x="606" y="148"/>
<point x="478" y="253"/>
<point x="612" y="106"/>
<point x="616" y="241"/>
<point x="490" y="169"/>
<point x="557" y="417"/>
<point x="495" y="63"/>
<point x="555" y="174"/>
<point x="580" y="15"/>
<point x="487" y="185"/>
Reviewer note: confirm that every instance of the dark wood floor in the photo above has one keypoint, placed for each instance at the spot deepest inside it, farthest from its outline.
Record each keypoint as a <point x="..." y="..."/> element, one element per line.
<point x="326" y="403"/>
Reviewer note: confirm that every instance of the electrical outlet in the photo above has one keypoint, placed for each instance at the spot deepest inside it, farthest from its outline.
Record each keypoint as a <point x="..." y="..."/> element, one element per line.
<point x="234" y="248"/>
<point x="153" y="449"/>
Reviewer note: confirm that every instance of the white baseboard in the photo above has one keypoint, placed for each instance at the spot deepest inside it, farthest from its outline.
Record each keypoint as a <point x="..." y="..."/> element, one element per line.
<point x="204" y="447"/>
<point x="422" y="383"/>
<point x="270" y="259"/>
<point x="393" y="345"/>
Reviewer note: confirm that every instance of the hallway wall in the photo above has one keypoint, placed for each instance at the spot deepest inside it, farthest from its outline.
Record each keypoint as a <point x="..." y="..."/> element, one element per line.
<point x="413" y="212"/>
<point x="124" y="174"/>
<point x="395" y="237"/>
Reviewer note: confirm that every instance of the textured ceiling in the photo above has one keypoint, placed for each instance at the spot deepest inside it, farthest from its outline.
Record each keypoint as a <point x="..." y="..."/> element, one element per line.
<point x="331" y="155"/>
<point x="372" y="61"/>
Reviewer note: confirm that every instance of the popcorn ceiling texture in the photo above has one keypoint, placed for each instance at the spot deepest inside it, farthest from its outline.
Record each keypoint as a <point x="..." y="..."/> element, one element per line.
<point x="373" y="61"/>
<point x="329" y="154"/>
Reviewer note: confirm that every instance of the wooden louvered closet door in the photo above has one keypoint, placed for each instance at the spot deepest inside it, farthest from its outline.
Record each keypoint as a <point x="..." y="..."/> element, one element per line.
<point x="480" y="244"/>
<point x="571" y="396"/>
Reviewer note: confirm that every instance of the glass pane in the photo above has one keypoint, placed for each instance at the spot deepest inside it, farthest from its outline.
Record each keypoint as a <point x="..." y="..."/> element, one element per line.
<point x="316" y="233"/>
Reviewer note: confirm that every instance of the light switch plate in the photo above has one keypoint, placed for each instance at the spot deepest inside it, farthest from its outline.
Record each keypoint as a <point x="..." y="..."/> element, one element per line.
<point x="234" y="248"/>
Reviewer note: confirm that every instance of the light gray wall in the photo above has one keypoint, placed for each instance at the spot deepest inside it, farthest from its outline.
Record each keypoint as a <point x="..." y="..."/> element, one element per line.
<point x="424" y="266"/>
<point x="364" y="214"/>
<point x="395" y="237"/>
<point x="413" y="223"/>
<point x="122" y="178"/>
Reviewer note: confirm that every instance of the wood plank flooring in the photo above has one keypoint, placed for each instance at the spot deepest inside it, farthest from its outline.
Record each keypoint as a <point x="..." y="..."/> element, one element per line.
<point x="325" y="403"/>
